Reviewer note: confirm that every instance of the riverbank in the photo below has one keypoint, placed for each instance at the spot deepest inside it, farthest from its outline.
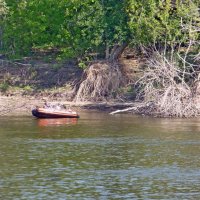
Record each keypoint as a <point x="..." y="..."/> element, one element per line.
<point x="27" y="83"/>
<point x="19" y="105"/>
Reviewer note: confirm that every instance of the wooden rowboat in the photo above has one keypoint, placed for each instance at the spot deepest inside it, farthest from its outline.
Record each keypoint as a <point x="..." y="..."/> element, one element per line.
<point x="54" y="113"/>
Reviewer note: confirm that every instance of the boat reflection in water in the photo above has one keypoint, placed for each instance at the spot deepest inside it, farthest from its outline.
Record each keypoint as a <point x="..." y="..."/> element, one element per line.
<point x="57" y="121"/>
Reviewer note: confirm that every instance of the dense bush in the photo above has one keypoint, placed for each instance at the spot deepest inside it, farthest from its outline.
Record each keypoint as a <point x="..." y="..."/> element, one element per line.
<point x="77" y="28"/>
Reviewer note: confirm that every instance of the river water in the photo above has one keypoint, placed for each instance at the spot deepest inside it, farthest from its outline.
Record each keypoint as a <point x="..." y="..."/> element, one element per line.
<point x="99" y="156"/>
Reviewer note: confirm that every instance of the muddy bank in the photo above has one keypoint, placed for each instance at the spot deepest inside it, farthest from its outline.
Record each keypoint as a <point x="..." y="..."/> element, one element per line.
<point x="39" y="78"/>
<point x="49" y="78"/>
<point x="26" y="83"/>
<point x="18" y="105"/>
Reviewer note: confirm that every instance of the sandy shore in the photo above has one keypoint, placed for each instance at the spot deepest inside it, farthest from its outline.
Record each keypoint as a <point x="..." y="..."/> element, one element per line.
<point x="19" y="105"/>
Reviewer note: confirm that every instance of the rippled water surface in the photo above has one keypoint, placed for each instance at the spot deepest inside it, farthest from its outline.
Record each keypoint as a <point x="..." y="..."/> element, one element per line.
<point x="99" y="156"/>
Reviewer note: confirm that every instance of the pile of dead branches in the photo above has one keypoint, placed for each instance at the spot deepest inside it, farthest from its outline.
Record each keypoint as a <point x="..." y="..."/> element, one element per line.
<point x="171" y="81"/>
<point x="100" y="81"/>
<point x="169" y="87"/>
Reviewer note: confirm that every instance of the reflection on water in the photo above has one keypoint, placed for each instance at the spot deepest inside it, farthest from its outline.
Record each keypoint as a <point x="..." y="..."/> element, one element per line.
<point x="99" y="157"/>
<point x="57" y="121"/>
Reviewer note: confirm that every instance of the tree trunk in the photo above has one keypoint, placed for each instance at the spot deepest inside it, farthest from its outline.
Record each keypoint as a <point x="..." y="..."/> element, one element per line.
<point x="117" y="51"/>
<point x="107" y="51"/>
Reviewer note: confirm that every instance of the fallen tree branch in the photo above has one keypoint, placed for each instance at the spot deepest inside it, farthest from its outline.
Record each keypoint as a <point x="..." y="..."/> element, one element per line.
<point x="124" y="110"/>
<point x="137" y="108"/>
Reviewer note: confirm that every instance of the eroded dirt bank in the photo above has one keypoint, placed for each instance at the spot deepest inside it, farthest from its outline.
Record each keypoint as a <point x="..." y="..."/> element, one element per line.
<point x="18" y="105"/>
<point x="29" y="82"/>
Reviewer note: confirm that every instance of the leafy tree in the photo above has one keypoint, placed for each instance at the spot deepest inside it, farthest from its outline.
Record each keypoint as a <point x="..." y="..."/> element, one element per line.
<point x="160" y="21"/>
<point x="3" y="8"/>
<point x="76" y="28"/>
<point x="33" y="24"/>
<point x="3" y="12"/>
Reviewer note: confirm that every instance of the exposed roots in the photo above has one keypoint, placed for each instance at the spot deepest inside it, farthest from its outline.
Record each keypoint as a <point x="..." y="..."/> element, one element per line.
<point x="100" y="81"/>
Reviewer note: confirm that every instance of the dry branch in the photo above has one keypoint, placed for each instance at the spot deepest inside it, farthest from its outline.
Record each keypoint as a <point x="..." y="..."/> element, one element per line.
<point x="169" y="86"/>
<point x="165" y="85"/>
<point x="124" y="110"/>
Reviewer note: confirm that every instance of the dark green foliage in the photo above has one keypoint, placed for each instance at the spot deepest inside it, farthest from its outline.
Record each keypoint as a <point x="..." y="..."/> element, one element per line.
<point x="75" y="28"/>
<point x="158" y="21"/>
<point x="33" y="24"/>
<point x="4" y="87"/>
